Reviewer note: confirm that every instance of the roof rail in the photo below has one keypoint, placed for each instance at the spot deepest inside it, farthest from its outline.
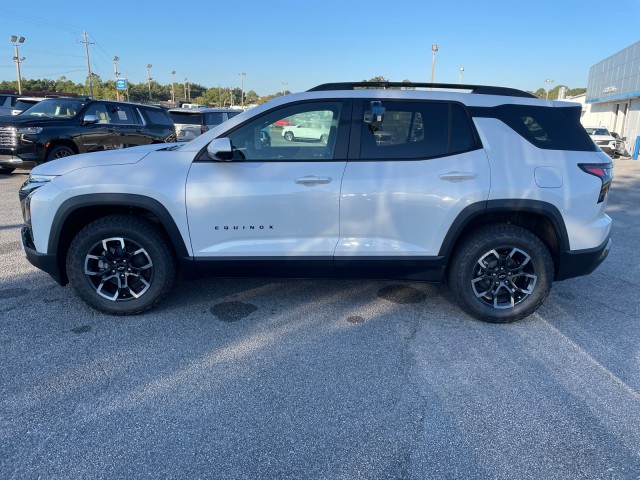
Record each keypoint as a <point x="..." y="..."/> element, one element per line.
<point x="478" y="89"/>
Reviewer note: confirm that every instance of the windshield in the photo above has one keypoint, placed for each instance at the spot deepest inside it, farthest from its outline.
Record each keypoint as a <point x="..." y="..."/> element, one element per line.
<point x="55" y="108"/>
<point x="597" y="131"/>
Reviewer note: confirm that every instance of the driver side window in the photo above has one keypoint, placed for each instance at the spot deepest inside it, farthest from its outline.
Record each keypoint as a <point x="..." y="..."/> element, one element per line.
<point x="307" y="131"/>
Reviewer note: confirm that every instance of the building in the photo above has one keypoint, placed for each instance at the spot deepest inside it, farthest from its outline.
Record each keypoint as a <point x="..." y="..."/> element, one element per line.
<point x="613" y="94"/>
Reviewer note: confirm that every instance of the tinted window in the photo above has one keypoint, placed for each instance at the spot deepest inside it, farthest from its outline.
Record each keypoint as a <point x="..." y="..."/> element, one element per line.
<point x="123" y="114"/>
<point x="186" y="118"/>
<point x="414" y="130"/>
<point x="156" y="117"/>
<point x="551" y="128"/>
<point x="24" y="104"/>
<point x="213" y="118"/>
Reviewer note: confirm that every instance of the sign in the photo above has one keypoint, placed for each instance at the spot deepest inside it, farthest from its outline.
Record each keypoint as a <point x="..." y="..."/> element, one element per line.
<point x="121" y="83"/>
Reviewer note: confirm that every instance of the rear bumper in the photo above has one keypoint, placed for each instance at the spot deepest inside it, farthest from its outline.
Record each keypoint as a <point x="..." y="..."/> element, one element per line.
<point x="582" y="262"/>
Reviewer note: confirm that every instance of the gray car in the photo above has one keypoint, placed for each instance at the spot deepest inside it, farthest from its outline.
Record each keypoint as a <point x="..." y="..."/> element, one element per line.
<point x="193" y="122"/>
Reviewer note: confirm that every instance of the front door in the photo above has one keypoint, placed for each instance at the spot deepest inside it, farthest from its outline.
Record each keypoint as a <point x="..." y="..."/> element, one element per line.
<point x="101" y="135"/>
<point x="277" y="202"/>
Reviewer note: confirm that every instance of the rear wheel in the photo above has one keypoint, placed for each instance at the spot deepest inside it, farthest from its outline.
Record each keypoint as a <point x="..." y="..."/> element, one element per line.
<point x="324" y="139"/>
<point x="59" y="151"/>
<point x="121" y="265"/>
<point x="4" y="170"/>
<point x="500" y="273"/>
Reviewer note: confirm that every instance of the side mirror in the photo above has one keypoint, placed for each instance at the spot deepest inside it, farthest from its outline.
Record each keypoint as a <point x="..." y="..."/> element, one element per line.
<point x="624" y="139"/>
<point x="90" y="119"/>
<point x="219" y="149"/>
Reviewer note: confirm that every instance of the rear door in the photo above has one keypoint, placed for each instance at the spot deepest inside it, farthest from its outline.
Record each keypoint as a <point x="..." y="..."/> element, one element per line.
<point x="420" y="164"/>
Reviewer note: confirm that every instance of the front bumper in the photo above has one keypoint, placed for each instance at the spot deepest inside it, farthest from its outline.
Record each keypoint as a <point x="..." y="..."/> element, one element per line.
<point x="582" y="262"/>
<point x="44" y="261"/>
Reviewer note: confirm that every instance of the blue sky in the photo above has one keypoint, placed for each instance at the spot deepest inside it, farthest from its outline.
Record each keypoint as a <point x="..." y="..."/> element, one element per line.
<point x="304" y="43"/>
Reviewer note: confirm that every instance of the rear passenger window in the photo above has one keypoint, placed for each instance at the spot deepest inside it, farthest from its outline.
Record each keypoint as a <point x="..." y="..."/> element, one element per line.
<point x="550" y="128"/>
<point x="414" y="130"/>
<point x="123" y="114"/>
<point x="157" y="117"/>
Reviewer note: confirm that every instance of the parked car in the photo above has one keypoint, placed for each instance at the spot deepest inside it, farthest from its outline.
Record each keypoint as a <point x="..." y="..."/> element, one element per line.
<point x="306" y="131"/>
<point x="59" y="127"/>
<point x="24" y="103"/>
<point x="282" y="123"/>
<point x="192" y="122"/>
<point x="489" y="189"/>
<point x="603" y="139"/>
<point x="620" y="145"/>
<point x="7" y="101"/>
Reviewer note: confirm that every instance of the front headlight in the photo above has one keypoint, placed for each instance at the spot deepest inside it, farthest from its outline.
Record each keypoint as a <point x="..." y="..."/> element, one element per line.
<point x="29" y="130"/>
<point x="34" y="182"/>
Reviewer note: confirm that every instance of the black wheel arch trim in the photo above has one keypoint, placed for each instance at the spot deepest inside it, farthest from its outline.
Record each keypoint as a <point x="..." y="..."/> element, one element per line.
<point x="473" y="211"/>
<point x="152" y="205"/>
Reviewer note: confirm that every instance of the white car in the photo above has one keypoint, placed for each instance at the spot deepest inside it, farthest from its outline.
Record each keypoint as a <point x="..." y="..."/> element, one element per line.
<point x="489" y="189"/>
<point x="603" y="139"/>
<point x="306" y="131"/>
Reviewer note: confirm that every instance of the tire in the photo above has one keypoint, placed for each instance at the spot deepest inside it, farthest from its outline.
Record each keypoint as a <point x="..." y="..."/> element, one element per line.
<point x="288" y="136"/>
<point x="121" y="265"/>
<point x="6" y="170"/>
<point x="500" y="273"/>
<point x="324" y="139"/>
<point x="59" y="151"/>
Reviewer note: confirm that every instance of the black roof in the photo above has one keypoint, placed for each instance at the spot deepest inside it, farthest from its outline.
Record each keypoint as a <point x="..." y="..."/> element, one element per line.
<point x="477" y="89"/>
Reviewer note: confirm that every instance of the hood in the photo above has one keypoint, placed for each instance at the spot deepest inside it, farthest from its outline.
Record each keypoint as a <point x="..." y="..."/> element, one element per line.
<point x="99" y="159"/>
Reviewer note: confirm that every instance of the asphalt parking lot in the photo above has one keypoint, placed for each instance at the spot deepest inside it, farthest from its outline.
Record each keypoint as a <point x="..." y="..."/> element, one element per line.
<point x="273" y="379"/>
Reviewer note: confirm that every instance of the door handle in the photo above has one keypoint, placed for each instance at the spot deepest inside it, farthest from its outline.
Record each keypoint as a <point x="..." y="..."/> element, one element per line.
<point x="458" y="176"/>
<point x="311" y="180"/>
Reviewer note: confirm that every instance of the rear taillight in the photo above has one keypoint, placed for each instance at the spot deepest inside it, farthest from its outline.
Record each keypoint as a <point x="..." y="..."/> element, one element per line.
<point x="604" y="171"/>
<point x="203" y="129"/>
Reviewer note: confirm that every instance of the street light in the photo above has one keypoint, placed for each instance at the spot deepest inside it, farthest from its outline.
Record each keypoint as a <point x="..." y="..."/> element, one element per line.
<point x="242" y="75"/>
<point x="149" y="78"/>
<point x="187" y="91"/>
<point x="461" y="72"/>
<point x="173" y="88"/>
<point x="284" y="88"/>
<point x="16" y="41"/>
<point x="434" y="49"/>
<point x="548" y="81"/>
<point x="115" y="74"/>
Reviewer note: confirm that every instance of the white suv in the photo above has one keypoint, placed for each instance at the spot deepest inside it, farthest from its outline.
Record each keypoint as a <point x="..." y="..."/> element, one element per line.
<point x="489" y="189"/>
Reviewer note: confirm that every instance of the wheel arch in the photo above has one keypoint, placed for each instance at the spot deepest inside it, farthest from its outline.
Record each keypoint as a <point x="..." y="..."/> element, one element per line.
<point x="64" y="141"/>
<point x="77" y="212"/>
<point x="541" y="218"/>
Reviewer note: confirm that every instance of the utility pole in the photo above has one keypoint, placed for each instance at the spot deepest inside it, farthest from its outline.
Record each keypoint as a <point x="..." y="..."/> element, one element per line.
<point x="242" y="75"/>
<point x="115" y="75"/>
<point x="149" y="78"/>
<point x="173" y="87"/>
<point x="86" y="49"/>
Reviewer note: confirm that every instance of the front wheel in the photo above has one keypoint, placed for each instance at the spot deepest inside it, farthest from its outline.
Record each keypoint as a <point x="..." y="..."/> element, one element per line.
<point x="500" y="273"/>
<point x="288" y="136"/>
<point x="121" y="265"/>
<point x="59" y="151"/>
<point x="6" y="170"/>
